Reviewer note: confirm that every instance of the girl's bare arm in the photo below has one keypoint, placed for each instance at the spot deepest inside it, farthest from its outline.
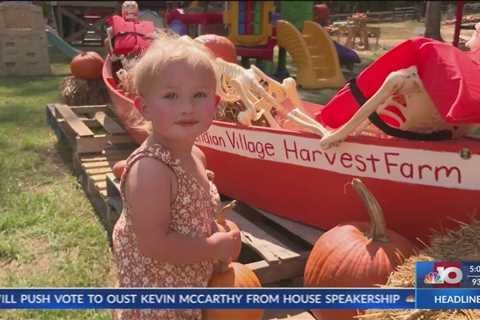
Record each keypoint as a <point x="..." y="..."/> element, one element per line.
<point x="149" y="195"/>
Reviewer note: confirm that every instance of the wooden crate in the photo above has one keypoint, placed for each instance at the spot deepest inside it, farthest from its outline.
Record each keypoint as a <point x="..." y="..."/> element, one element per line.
<point x="87" y="129"/>
<point x="93" y="155"/>
<point x="23" y="52"/>
<point x="21" y="16"/>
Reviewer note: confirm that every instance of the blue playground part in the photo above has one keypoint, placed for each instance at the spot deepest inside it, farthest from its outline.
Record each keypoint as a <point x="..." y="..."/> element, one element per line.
<point x="55" y="40"/>
<point x="346" y="56"/>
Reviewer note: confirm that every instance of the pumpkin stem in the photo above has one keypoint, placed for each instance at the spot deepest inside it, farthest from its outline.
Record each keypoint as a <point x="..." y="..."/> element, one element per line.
<point x="378" y="231"/>
<point x="220" y="215"/>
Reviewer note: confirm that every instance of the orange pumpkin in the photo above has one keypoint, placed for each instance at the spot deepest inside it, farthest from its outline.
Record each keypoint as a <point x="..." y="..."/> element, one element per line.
<point x="358" y="254"/>
<point x="236" y="275"/>
<point x="224" y="225"/>
<point x="222" y="47"/>
<point x="119" y="168"/>
<point x="87" y="65"/>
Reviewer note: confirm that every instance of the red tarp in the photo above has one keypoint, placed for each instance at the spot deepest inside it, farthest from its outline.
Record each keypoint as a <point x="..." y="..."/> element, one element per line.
<point x="450" y="76"/>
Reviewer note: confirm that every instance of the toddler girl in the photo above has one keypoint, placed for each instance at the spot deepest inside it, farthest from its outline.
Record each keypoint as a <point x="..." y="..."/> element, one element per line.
<point x="165" y="236"/>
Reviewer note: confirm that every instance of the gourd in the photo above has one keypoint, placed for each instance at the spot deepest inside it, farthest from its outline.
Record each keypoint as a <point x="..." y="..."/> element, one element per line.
<point x="119" y="168"/>
<point x="222" y="47"/>
<point x="232" y="275"/>
<point x="224" y="225"/>
<point x="356" y="254"/>
<point x="87" y="65"/>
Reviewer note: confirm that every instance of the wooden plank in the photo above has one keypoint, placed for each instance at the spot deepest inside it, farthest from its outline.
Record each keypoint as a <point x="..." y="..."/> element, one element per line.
<point x="269" y="247"/>
<point x="59" y="22"/>
<point x="101" y="185"/>
<point x="307" y="233"/>
<point x="91" y="144"/>
<point x="108" y="123"/>
<point x="94" y="171"/>
<point x="99" y="164"/>
<point x="99" y="142"/>
<point x="96" y="158"/>
<point x="98" y="177"/>
<point x="288" y="269"/>
<point x="73" y="121"/>
<point x="113" y="186"/>
<point x="116" y="203"/>
<point x="115" y="152"/>
<point x="90" y="110"/>
<point x="90" y="123"/>
<point x="93" y="158"/>
<point x="67" y="13"/>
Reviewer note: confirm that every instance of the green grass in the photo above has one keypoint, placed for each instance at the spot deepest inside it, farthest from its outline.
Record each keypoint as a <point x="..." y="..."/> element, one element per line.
<point x="49" y="233"/>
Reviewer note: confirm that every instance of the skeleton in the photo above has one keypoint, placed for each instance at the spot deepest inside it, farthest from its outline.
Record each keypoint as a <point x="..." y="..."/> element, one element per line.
<point x="258" y="92"/>
<point x="402" y="89"/>
<point x="474" y="42"/>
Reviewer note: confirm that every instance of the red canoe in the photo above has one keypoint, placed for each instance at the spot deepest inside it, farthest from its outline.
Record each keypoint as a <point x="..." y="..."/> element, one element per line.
<point x="420" y="185"/>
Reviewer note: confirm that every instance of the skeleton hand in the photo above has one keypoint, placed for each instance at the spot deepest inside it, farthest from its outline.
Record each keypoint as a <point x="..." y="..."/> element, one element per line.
<point x="329" y="141"/>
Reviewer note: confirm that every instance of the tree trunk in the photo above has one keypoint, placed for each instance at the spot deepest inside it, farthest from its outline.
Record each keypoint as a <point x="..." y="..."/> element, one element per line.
<point x="433" y="17"/>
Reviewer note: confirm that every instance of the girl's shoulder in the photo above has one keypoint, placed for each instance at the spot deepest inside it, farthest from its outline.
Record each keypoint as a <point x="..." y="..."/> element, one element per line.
<point x="198" y="153"/>
<point x="201" y="156"/>
<point x="148" y="173"/>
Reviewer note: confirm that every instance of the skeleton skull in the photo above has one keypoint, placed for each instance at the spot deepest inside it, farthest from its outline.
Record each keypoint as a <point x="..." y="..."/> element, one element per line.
<point x="130" y="11"/>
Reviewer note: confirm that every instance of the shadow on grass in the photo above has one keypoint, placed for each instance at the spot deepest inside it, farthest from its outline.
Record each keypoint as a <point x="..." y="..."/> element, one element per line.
<point x="65" y="153"/>
<point x="31" y="86"/>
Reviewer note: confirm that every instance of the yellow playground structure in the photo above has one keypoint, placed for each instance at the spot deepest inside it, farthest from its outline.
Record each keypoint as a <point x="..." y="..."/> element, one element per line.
<point x="250" y="28"/>
<point x="249" y="22"/>
<point x="313" y="53"/>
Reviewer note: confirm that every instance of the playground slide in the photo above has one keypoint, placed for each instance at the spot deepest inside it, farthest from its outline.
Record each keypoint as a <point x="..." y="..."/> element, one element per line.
<point x="313" y="53"/>
<point x="55" y="40"/>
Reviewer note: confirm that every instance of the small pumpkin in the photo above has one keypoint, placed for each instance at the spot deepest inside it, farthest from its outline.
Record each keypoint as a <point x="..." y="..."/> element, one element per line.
<point x="235" y="275"/>
<point x="224" y="225"/>
<point x="358" y="254"/>
<point x="119" y="168"/>
<point x="221" y="46"/>
<point x="87" y="65"/>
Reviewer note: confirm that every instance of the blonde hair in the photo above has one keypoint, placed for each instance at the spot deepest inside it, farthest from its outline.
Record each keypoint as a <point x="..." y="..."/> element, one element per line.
<point x="165" y="49"/>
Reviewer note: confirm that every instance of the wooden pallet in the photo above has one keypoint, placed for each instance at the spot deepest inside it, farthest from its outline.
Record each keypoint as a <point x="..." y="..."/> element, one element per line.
<point x="87" y="129"/>
<point x="93" y="154"/>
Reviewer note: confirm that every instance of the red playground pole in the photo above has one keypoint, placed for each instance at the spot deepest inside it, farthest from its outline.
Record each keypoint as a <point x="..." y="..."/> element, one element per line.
<point x="458" y="22"/>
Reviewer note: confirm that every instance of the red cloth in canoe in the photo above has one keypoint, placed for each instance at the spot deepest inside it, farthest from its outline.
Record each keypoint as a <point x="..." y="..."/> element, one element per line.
<point x="450" y="76"/>
<point x="130" y="37"/>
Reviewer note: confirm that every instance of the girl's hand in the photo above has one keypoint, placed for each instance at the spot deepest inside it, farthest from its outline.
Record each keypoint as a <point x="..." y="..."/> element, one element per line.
<point x="225" y="244"/>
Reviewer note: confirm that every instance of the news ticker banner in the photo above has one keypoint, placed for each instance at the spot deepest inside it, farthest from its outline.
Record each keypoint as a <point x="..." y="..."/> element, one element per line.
<point x="448" y="285"/>
<point x="440" y="285"/>
<point x="217" y="298"/>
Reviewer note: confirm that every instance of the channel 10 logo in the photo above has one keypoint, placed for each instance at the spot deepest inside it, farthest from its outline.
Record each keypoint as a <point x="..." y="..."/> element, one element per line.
<point x="440" y="274"/>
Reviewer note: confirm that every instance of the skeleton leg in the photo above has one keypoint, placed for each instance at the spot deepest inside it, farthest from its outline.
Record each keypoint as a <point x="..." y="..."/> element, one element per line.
<point x="392" y="83"/>
<point x="247" y="116"/>
<point x="224" y="92"/>
<point x="265" y="109"/>
<point x="285" y="90"/>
